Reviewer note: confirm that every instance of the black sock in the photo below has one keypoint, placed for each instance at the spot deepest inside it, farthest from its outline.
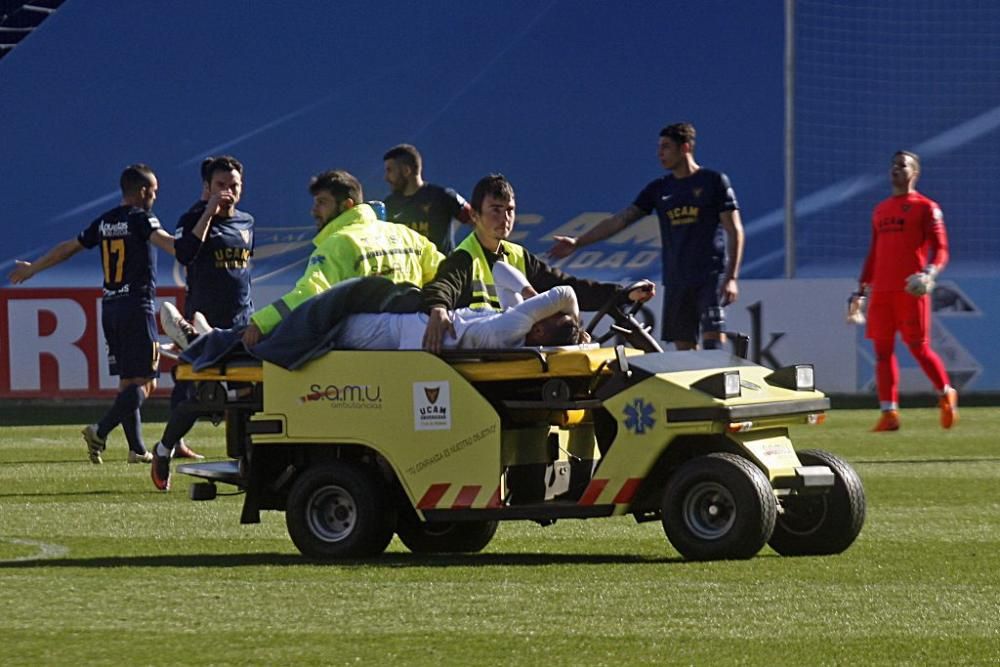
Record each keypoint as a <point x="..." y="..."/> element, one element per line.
<point x="132" y="425"/>
<point x="177" y="427"/>
<point x="125" y="411"/>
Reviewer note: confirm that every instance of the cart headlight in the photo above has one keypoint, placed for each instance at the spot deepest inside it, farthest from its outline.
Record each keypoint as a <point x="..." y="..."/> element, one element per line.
<point x="799" y="377"/>
<point x="720" y="385"/>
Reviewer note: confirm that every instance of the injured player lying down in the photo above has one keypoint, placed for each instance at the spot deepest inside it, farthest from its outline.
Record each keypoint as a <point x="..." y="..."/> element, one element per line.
<point x="549" y="318"/>
<point x="527" y="319"/>
<point x="373" y="313"/>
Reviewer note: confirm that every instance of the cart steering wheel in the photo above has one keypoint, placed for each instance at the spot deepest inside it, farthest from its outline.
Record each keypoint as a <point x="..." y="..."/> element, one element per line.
<point x="613" y="308"/>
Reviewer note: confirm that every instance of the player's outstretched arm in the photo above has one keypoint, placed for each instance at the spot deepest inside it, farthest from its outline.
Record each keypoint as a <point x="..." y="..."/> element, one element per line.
<point x="564" y="246"/>
<point x="60" y="253"/>
<point x="163" y="241"/>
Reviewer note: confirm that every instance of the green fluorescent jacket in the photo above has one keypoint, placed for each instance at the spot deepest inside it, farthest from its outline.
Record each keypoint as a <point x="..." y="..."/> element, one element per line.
<point x="356" y="244"/>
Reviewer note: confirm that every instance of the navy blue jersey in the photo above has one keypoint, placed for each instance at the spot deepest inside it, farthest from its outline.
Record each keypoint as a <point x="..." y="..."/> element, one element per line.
<point x="429" y="211"/>
<point x="127" y="254"/>
<point x="688" y="208"/>
<point x="218" y="269"/>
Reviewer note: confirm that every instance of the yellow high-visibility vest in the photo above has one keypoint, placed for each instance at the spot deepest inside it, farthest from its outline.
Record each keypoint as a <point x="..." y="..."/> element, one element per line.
<point x="484" y="291"/>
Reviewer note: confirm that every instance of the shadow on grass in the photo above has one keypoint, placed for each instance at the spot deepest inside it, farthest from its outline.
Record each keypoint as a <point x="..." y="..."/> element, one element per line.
<point x="394" y="560"/>
<point x="70" y="494"/>
<point x="974" y="459"/>
<point x="81" y="461"/>
<point x="109" y="462"/>
<point x="78" y="412"/>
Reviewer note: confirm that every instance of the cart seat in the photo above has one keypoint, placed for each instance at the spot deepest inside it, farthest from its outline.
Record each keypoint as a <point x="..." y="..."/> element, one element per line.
<point x="243" y="370"/>
<point x="473" y="365"/>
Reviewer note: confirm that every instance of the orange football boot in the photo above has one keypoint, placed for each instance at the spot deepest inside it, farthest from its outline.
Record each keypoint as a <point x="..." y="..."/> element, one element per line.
<point x="949" y="408"/>
<point x="889" y="421"/>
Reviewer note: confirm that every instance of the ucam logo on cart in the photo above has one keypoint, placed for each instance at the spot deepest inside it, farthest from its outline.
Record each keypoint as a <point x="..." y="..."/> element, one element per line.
<point x="431" y="406"/>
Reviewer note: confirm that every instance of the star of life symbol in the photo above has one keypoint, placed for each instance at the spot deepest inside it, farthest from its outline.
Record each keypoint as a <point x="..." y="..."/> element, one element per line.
<point x="639" y="416"/>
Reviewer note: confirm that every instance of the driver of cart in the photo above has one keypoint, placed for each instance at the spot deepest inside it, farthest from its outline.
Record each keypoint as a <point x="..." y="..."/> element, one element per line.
<point x="374" y="313"/>
<point x="464" y="278"/>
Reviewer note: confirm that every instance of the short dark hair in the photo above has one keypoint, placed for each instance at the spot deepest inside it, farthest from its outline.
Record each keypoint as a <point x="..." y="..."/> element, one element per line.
<point x="406" y="154"/>
<point x="205" y="164"/>
<point x="339" y="183"/>
<point x="909" y="154"/>
<point x="680" y="133"/>
<point x="136" y="177"/>
<point x="494" y="185"/>
<point x="225" y="163"/>
<point x="567" y="333"/>
<point x="557" y="329"/>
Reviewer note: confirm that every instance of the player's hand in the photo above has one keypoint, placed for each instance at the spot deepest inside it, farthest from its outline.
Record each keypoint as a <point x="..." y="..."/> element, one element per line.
<point x="856" y="308"/>
<point x="438" y="326"/>
<point x="564" y="246"/>
<point x="252" y="335"/>
<point x="730" y="292"/>
<point x="22" y="271"/>
<point x="920" y="283"/>
<point x="643" y="293"/>
<point x="220" y="202"/>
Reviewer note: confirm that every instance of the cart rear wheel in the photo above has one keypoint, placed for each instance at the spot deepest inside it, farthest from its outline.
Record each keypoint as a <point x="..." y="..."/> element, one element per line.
<point x="339" y="511"/>
<point x="444" y="537"/>
<point x="822" y="524"/>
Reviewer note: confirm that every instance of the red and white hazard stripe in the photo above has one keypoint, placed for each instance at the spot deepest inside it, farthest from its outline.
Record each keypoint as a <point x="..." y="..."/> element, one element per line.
<point x="467" y="495"/>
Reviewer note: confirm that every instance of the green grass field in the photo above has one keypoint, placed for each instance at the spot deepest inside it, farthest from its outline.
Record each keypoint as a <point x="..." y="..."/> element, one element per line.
<point x="96" y="567"/>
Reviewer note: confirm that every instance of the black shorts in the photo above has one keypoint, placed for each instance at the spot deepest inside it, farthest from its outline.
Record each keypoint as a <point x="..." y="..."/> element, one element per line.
<point x="692" y="309"/>
<point x="132" y="339"/>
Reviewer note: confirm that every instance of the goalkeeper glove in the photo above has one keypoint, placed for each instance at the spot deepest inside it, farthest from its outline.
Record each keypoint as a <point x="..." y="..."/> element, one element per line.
<point x="922" y="283"/>
<point x="856" y="308"/>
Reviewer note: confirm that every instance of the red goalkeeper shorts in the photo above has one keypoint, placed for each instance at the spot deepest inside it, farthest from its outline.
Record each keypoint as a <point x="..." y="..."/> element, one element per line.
<point x="889" y="312"/>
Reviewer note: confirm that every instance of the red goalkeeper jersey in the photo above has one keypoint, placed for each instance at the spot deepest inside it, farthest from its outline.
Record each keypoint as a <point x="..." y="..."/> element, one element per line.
<point x="906" y="229"/>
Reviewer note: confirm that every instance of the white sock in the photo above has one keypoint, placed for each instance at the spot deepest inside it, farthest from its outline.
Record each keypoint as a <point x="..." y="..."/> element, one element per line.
<point x="162" y="451"/>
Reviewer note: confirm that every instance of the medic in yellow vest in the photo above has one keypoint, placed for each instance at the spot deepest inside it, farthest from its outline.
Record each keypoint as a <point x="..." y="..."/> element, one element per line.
<point x="352" y="242"/>
<point x="465" y="278"/>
